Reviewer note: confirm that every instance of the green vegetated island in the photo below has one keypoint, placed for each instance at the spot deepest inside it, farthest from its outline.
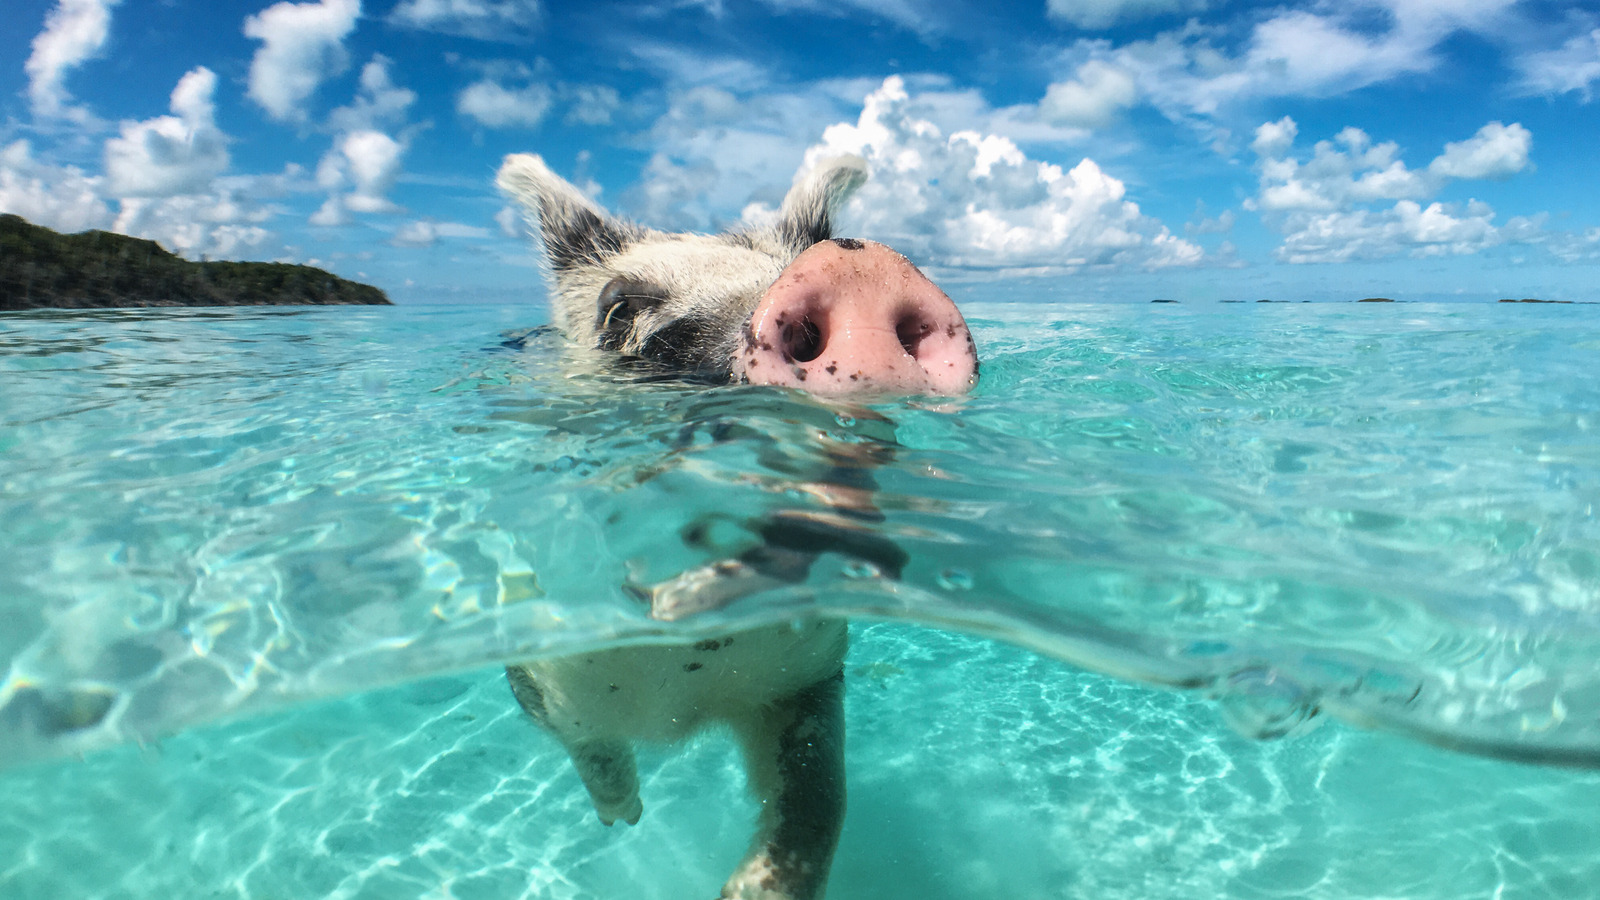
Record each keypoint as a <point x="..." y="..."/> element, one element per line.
<point x="40" y="268"/>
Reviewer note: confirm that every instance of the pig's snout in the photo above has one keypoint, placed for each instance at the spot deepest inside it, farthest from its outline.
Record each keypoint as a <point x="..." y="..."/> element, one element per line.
<point x="855" y="317"/>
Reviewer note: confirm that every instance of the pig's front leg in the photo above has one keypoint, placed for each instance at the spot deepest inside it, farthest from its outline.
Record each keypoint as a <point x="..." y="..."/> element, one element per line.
<point x="605" y="765"/>
<point x="794" y="753"/>
<point x="608" y="770"/>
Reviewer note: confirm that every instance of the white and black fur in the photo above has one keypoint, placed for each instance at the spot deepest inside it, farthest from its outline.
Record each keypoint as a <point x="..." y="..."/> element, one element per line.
<point x="682" y="301"/>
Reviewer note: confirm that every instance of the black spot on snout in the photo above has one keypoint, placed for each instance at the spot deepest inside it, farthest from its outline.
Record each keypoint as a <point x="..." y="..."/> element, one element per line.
<point x="848" y="243"/>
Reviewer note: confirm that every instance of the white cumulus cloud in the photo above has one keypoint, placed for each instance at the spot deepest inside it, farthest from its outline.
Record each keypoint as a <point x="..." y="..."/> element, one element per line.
<point x="972" y="200"/>
<point x="1576" y="248"/>
<point x="511" y="223"/>
<point x="1331" y="207"/>
<point x="1326" y="50"/>
<point x="591" y="104"/>
<point x="170" y="155"/>
<point x="721" y="146"/>
<point x="374" y="163"/>
<point x="1496" y="151"/>
<point x="1435" y="230"/>
<point x="227" y="217"/>
<point x="1348" y="169"/>
<point x="949" y="183"/>
<point x="379" y="102"/>
<point x="301" y="46"/>
<point x="490" y="20"/>
<point x="427" y="232"/>
<point x="420" y="233"/>
<point x="226" y="221"/>
<point x="1571" y="68"/>
<point x="1092" y="99"/>
<point x="56" y="197"/>
<point x="364" y="161"/>
<point x="496" y="106"/>
<point x="75" y="31"/>
<point x="367" y="162"/>
<point x="1273" y="139"/>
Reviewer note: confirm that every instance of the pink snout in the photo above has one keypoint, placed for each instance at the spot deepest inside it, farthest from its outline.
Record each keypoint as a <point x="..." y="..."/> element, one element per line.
<point x="855" y="317"/>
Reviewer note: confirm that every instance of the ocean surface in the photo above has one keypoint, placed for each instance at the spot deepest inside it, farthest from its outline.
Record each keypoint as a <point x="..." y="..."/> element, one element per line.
<point x="1243" y="601"/>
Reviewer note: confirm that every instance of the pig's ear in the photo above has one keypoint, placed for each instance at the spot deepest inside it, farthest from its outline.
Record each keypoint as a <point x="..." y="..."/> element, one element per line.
<point x="575" y="231"/>
<point x="807" y="215"/>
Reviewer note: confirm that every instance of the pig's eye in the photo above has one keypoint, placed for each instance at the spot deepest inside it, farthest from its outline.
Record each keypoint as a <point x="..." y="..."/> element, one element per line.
<point x="621" y="300"/>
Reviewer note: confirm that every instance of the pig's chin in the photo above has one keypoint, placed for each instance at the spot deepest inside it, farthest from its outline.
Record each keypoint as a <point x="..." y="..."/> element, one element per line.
<point x="863" y="388"/>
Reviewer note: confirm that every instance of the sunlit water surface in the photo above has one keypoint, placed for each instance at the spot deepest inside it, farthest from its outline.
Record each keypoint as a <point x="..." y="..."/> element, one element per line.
<point x="1378" y="514"/>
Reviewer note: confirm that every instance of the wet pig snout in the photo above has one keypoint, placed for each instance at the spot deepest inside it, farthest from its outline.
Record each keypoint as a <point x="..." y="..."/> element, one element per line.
<point x="855" y="317"/>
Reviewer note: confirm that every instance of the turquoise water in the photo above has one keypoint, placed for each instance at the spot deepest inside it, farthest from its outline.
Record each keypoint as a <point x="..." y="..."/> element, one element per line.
<point x="1381" y="516"/>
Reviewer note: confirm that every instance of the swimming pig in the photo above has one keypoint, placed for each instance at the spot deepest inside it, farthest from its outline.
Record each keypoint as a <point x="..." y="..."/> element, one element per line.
<point x="786" y="305"/>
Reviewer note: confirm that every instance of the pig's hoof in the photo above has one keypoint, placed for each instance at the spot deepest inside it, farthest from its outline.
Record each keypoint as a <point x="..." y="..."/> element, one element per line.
<point x="628" y="810"/>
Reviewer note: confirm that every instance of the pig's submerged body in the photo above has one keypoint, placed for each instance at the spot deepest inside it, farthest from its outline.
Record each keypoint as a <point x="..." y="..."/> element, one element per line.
<point x="788" y="305"/>
<point x="667" y="693"/>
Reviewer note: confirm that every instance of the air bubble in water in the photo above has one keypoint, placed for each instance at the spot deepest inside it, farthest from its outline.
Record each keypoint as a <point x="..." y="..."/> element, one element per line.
<point x="955" y="580"/>
<point x="1261" y="703"/>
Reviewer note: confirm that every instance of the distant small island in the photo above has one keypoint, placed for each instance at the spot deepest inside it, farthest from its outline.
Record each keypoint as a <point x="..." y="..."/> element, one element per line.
<point x="40" y="268"/>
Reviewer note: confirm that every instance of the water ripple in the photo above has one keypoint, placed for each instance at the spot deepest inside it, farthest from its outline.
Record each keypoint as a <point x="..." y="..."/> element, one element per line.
<point x="1383" y="516"/>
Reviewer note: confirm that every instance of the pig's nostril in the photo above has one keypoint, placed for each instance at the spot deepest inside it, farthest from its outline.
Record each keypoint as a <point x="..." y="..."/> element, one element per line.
<point x="802" y="340"/>
<point x="911" y="330"/>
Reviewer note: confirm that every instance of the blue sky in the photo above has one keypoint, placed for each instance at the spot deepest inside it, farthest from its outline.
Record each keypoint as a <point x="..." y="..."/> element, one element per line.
<point x="1055" y="150"/>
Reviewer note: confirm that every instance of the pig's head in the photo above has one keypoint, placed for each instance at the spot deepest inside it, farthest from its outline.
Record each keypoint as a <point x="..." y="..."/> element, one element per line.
<point x="784" y="305"/>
